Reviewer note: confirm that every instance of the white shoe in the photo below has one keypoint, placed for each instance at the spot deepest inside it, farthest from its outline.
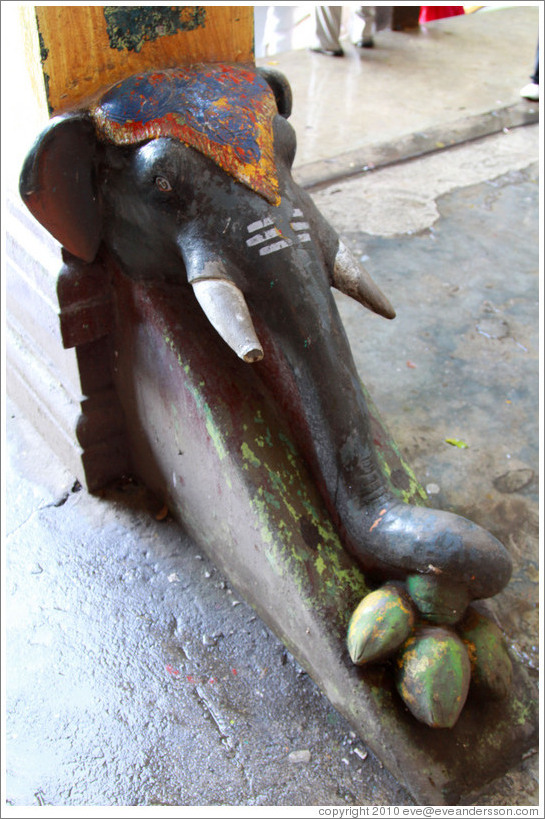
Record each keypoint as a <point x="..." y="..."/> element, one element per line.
<point x="530" y="92"/>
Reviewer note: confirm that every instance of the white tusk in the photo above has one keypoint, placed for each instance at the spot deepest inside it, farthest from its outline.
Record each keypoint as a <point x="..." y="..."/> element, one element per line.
<point x="352" y="279"/>
<point x="226" y="309"/>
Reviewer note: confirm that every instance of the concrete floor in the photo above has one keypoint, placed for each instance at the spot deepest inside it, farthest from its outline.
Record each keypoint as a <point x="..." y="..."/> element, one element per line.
<point x="134" y="675"/>
<point x="410" y="81"/>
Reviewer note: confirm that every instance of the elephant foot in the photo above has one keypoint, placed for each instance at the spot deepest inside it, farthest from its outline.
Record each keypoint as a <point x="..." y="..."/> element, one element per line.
<point x="445" y="559"/>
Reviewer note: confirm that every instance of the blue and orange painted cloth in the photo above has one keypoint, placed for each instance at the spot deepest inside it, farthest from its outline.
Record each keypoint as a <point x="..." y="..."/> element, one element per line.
<point x="223" y="111"/>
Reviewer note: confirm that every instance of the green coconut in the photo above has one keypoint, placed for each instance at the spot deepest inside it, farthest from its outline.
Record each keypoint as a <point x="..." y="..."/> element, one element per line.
<point x="438" y="600"/>
<point x="433" y="676"/>
<point x="491" y="668"/>
<point x="379" y="625"/>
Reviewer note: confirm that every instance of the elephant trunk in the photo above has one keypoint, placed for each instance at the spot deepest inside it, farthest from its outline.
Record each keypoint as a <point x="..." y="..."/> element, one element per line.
<point x="308" y="366"/>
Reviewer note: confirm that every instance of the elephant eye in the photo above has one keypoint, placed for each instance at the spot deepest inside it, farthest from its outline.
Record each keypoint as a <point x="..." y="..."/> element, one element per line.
<point x="163" y="184"/>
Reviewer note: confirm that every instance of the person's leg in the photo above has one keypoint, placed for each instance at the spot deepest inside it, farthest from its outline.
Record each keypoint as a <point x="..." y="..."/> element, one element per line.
<point x="328" y="27"/>
<point x="383" y="17"/>
<point x="368" y="15"/>
<point x="535" y="75"/>
<point x="531" y="90"/>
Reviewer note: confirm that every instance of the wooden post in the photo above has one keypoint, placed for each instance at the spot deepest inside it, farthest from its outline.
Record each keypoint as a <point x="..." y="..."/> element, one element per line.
<point x="87" y="48"/>
<point x="54" y="58"/>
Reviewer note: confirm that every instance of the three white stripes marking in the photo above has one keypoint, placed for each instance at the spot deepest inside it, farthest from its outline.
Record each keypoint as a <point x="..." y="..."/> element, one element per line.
<point x="274" y="233"/>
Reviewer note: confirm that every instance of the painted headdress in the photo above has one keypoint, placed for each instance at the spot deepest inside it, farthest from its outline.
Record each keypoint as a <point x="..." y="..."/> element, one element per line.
<point x="223" y="111"/>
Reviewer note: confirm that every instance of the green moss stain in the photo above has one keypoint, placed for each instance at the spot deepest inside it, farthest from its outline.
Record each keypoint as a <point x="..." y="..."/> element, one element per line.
<point x="269" y="499"/>
<point x="128" y="28"/>
<point x="320" y="565"/>
<point x="414" y="493"/>
<point x="249" y="456"/>
<point x="280" y="505"/>
<point x="523" y="712"/>
<point x="264" y="440"/>
<point x="287" y="443"/>
<point x="411" y="490"/>
<point x="215" y="434"/>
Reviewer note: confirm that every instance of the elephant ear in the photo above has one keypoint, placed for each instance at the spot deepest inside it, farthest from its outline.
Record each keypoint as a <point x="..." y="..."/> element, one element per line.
<point x="57" y="184"/>
<point x="281" y="89"/>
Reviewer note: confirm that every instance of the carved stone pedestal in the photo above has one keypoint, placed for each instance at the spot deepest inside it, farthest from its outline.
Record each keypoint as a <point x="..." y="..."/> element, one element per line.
<point x="226" y="466"/>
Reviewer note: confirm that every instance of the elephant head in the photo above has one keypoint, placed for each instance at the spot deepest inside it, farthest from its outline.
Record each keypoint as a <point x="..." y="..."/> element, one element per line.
<point x="185" y="175"/>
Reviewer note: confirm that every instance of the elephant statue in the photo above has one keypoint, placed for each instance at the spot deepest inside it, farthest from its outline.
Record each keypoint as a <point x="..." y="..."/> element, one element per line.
<point x="184" y="176"/>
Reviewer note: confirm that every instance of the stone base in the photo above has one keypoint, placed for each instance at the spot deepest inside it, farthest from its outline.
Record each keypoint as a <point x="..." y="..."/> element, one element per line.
<point x="205" y="437"/>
